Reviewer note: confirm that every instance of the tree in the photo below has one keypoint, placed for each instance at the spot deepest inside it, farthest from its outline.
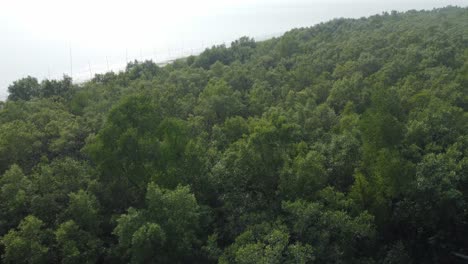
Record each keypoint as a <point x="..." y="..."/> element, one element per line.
<point x="51" y="185"/>
<point x="435" y="205"/>
<point x="138" y="145"/>
<point x="266" y="243"/>
<point x="142" y="70"/>
<point x="435" y="124"/>
<point x="260" y="98"/>
<point x="243" y="48"/>
<point x="76" y="245"/>
<point x="19" y="143"/>
<point x="24" y="89"/>
<point x="83" y="209"/>
<point x="14" y="198"/>
<point x="351" y="89"/>
<point x="62" y="88"/>
<point x="344" y="142"/>
<point x="335" y="233"/>
<point x="288" y="45"/>
<point x="214" y="54"/>
<point x="218" y="101"/>
<point x="233" y="129"/>
<point x="27" y="243"/>
<point x="126" y="148"/>
<point x="247" y="174"/>
<point x="166" y="230"/>
<point x="304" y="176"/>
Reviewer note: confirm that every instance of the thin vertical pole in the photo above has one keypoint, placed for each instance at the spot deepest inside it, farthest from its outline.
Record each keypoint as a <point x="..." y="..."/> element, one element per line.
<point x="126" y="55"/>
<point x="71" y="63"/>
<point x="90" y="72"/>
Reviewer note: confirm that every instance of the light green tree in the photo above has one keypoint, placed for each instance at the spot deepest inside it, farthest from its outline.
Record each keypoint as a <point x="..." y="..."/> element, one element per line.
<point x="26" y="244"/>
<point x="166" y="230"/>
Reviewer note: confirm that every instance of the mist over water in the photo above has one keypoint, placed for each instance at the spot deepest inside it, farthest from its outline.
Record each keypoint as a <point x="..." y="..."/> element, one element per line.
<point x="105" y="36"/>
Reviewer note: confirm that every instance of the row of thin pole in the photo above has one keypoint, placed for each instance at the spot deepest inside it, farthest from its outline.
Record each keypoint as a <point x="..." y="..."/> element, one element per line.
<point x="161" y="59"/>
<point x="165" y="57"/>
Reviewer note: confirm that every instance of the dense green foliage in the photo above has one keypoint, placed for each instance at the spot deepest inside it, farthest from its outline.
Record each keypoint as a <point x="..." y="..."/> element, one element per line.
<point x="345" y="142"/>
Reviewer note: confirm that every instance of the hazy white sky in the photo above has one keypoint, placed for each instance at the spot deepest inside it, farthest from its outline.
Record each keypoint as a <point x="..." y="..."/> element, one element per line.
<point x="37" y="35"/>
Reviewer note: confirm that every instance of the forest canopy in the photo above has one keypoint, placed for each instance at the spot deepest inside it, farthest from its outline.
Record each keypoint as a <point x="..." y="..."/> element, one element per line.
<point x="345" y="142"/>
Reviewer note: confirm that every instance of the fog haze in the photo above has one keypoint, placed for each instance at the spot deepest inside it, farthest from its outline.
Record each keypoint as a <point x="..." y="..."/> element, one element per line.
<point x="38" y="37"/>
